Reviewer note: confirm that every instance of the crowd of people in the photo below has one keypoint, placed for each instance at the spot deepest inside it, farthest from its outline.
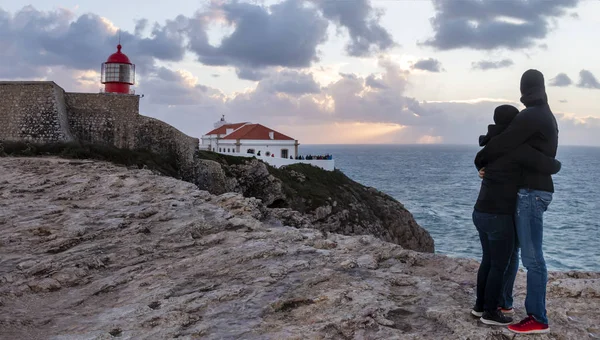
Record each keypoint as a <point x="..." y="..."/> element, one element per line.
<point x="313" y="157"/>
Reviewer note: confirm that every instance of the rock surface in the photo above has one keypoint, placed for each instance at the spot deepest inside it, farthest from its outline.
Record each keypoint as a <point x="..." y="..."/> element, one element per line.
<point x="331" y="201"/>
<point x="90" y="250"/>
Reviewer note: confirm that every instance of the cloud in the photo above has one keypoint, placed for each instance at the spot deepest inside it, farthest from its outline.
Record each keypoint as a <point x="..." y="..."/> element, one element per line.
<point x="491" y="65"/>
<point x="374" y="82"/>
<point x="575" y="130"/>
<point x="289" y="82"/>
<point x="563" y="101"/>
<point x="378" y="102"/>
<point x="587" y="80"/>
<point x="168" y="87"/>
<point x="35" y="41"/>
<point x="488" y="25"/>
<point x="376" y="105"/>
<point x="284" y="34"/>
<point x="561" y="80"/>
<point x="287" y="34"/>
<point x="431" y="65"/>
<point x="362" y="22"/>
<point x="248" y="73"/>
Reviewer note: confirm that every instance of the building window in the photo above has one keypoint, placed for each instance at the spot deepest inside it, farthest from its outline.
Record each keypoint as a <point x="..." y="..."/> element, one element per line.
<point x="219" y="149"/>
<point x="228" y="150"/>
<point x="250" y="151"/>
<point x="284" y="153"/>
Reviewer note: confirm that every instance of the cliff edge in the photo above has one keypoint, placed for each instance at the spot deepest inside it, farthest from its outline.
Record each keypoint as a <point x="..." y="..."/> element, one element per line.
<point x="302" y="195"/>
<point x="91" y="250"/>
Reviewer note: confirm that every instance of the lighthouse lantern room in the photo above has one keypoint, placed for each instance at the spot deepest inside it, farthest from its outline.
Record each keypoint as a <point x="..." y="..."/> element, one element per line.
<point x="118" y="73"/>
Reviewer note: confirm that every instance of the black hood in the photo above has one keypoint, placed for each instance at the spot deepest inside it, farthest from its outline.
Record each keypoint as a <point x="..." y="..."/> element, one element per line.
<point x="533" y="90"/>
<point x="503" y="115"/>
<point x="493" y="130"/>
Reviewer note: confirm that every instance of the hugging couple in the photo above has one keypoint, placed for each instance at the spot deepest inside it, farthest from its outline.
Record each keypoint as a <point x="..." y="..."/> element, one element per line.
<point x="516" y="163"/>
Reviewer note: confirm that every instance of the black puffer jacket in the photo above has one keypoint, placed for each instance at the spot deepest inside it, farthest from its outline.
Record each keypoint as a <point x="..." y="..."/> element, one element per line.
<point x="535" y="126"/>
<point x="498" y="193"/>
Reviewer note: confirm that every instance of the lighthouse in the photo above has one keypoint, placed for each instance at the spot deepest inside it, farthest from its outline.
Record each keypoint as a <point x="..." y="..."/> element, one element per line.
<point x="118" y="73"/>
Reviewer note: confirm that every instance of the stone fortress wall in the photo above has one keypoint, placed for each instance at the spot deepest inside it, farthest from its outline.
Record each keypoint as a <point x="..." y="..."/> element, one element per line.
<point x="42" y="112"/>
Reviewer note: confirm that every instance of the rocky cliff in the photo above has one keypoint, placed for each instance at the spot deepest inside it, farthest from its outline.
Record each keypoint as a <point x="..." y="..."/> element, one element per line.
<point x="90" y="250"/>
<point x="301" y="195"/>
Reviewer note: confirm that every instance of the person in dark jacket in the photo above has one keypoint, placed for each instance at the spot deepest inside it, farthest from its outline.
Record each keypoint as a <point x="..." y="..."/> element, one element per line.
<point x="535" y="126"/>
<point x="493" y="217"/>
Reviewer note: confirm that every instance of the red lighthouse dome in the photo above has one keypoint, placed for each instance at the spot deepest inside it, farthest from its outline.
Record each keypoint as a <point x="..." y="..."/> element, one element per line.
<point x="118" y="73"/>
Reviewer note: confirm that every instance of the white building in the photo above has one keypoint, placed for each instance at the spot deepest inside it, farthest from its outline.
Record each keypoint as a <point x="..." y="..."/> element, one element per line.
<point x="256" y="140"/>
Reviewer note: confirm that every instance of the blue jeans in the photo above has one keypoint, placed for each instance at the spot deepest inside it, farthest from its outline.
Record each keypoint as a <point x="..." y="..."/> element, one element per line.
<point x="531" y="205"/>
<point x="506" y="300"/>
<point x="497" y="235"/>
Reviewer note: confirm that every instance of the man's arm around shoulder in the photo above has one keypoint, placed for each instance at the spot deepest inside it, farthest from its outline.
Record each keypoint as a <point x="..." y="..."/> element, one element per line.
<point x="517" y="133"/>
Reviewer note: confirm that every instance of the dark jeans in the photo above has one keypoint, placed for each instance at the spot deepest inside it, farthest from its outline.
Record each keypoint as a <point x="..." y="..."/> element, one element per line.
<point x="506" y="300"/>
<point x="497" y="235"/>
<point x="531" y="205"/>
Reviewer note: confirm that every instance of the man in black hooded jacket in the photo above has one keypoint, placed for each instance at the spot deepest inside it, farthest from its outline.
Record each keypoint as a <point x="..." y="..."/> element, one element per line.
<point x="536" y="126"/>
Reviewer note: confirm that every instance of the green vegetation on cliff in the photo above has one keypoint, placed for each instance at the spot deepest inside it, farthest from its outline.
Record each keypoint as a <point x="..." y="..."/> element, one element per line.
<point x="306" y="187"/>
<point x="164" y="163"/>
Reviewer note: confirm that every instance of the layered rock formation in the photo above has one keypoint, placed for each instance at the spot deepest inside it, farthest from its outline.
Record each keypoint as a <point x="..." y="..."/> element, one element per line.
<point x="302" y="195"/>
<point x="90" y="250"/>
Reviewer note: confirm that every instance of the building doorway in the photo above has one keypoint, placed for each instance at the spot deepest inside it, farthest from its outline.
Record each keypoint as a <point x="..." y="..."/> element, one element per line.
<point x="284" y="153"/>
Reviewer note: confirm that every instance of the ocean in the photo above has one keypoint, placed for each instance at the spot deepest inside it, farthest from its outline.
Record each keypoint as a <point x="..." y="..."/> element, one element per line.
<point x="439" y="185"/>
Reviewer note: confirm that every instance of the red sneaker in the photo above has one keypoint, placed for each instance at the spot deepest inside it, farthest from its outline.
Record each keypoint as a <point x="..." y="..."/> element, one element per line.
<point x="529" y="326"/>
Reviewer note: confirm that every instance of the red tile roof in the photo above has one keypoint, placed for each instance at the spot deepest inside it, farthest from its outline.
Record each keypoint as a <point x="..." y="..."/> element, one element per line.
<point x="256" y="132"/>
<point x="223" y="129"/>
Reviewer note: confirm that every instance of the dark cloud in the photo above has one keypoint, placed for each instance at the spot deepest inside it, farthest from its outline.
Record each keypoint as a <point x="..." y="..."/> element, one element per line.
<point x="166" y="41"/>
<point x="431" y="65"/>
<point x="587" y="80"/>
<point x="289" y="82"/>
<point x="561" y="80"/>
<point x="487" y="25"/>
<point x="35" y="40"/>
<point x="362" y="22"/>
<point x="374" y="82"/>
<point x="491" y="65"/>
<point x="284" y="34"/>
<point x="140" y="26"/>
<point x="248" y="73"/>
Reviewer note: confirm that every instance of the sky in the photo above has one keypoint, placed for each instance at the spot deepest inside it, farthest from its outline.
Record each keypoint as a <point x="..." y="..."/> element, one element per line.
<point x="322" y="71"/>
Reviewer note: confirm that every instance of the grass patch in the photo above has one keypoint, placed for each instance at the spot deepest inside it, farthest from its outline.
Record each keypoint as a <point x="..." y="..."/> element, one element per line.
<point x="315" y="188"/>
<point x="223" y="159"/>
<point x="318" y="187"/>
<point x="166" y="164"/>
